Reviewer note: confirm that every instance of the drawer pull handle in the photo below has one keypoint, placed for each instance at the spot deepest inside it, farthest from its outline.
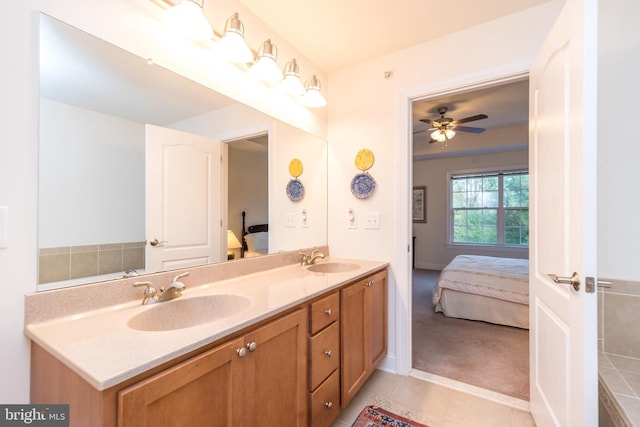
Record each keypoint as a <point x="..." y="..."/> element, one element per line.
<point x="328" y="312"/>
<point x="328" y="353"/>
<point x="241" y="352"/>
<point x="370" y="283"/>
<point x="252" y="346"/>
<point x="329" y="405"/>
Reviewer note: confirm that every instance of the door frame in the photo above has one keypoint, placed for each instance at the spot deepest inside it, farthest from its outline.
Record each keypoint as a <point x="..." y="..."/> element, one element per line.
<point x="403" y="315"/>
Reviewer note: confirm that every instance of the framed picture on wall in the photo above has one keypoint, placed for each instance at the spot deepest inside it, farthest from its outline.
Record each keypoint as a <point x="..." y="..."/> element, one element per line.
<point x="419" y="207"/>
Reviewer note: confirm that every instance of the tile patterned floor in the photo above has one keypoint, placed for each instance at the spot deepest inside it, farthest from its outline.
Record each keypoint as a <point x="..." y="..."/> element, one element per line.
<point x="431" y="404"/>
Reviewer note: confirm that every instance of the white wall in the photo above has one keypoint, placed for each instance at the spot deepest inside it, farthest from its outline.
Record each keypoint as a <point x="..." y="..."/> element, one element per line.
<point x="312" y="152"/>
<point x="431" y="249"/>
<point x="618" y="140"/>
<point x="134" y="25"/>
<point x="81" y="201"/>
<point x="365" y="110"/>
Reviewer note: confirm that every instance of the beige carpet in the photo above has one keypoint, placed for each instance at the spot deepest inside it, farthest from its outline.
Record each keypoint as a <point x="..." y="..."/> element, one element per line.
<point x="493" y="357"/>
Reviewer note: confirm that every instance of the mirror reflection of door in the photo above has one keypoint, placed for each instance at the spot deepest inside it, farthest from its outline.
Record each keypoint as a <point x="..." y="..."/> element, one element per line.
<point x="247" y="187"/>
<point x="183" y="199"/>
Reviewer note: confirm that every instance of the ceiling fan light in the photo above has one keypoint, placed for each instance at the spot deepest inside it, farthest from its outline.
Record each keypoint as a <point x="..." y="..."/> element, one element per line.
<point x="187" y="18"/>
<point x="266" y="68"/>
<point x="313" y="98"/>
<point x="442" y="135"/>
<point x="232" y="44"/>
<point x="291" y="83"/>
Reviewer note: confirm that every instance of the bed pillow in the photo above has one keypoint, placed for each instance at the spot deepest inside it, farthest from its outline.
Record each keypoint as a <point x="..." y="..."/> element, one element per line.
<point x="258" y="242"/>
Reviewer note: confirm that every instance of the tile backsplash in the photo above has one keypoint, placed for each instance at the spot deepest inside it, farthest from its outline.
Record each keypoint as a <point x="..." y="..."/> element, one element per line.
<point x="74" y="262"/>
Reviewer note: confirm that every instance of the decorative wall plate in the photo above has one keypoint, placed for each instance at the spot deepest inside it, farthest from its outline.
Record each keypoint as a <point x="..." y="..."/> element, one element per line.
<point x="364" y="159"/>
<point x="295" y="168"/>
<point x="295" y="190"/>
<point x="363" y="185"/>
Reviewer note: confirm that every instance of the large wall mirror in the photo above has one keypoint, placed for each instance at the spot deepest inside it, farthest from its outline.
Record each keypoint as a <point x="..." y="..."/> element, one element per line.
<point x="98" y="103"/>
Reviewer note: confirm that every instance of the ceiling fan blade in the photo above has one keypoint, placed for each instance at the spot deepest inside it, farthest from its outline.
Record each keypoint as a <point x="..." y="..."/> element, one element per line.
<point x="420" y="131"/>
<point x="431" y="141"/>
<point x="426" y="121"/>
<point x="469" y="129"/>
<point x="472" y="118"/>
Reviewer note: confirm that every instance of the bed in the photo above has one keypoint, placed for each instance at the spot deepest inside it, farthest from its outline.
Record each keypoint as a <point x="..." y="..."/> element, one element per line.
<point x="490" y="289"/>
<point x="255" y="239"/>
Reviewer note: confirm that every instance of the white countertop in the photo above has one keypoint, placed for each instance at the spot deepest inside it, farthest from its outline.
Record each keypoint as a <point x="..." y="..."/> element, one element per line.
<point x="100" y="347"/>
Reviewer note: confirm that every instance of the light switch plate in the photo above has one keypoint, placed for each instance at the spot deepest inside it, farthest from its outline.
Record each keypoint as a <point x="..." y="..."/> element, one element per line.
<point x="3" y="226"/>
<point x="352" y="221"/>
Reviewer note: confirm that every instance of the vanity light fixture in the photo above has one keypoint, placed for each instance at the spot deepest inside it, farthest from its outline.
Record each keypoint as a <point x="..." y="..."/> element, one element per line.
<point x="291" y="83"/>
<point x="313" y="98"/>
<point x="232" y="44"/>
<point x="266" y="68"/>
<point x="187" y="18"/>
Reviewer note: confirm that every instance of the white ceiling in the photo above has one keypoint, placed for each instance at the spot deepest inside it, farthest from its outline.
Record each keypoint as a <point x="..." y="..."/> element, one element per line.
<point x="79" y="69"/>
<point x="334" y="34"/>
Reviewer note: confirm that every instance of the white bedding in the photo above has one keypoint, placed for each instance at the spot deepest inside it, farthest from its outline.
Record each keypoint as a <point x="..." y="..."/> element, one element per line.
<point x="502" y="278"/>
<point x="490" y="289"/>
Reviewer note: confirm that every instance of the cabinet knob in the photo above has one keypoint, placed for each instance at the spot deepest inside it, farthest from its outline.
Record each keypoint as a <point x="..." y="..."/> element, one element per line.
<point x="328" y="353"/>
<point x="329" y="405"/>
<point x="251" y="346"/>
<point x="328" y="312"/>
<point x="242" y="352"/>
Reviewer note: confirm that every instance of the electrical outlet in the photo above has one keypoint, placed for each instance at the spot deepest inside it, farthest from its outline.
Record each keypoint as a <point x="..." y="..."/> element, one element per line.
<point x="372" y="220"/>
<point x="290" y="220"/>
<point x="304" y="219"/>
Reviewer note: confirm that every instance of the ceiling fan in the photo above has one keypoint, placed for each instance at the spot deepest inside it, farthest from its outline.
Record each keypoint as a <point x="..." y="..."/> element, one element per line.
<point x="443" y="128"/>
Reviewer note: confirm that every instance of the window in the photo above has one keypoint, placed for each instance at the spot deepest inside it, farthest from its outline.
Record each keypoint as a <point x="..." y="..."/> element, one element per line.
<point x="489" y="208"/>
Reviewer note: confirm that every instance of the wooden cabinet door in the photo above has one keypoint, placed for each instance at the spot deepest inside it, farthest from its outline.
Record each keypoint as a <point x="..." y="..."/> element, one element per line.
<point x="376" y="304"/>
<point x="364" y="332"/>
<point x="275" y="373"/>
<point x="202" y="391"/>
<point x="353" y="344"/>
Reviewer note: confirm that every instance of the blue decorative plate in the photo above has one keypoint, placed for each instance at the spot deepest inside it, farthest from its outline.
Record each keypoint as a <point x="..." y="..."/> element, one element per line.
<point x="363" y="185"/>
<point x="295" y="190"/>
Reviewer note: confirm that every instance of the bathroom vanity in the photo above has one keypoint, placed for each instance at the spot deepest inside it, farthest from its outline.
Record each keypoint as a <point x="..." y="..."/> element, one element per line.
<point x="294" y="353"/>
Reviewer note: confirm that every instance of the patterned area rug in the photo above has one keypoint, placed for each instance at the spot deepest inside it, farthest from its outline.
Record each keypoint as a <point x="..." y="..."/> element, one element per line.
<point x="374" y="416"/>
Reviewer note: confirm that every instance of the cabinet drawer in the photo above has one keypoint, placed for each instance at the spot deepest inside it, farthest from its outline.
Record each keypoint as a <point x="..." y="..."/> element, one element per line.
<point x="324" y="312"/>
<point x="324" y="403"/>
<point x="324" y="354"/>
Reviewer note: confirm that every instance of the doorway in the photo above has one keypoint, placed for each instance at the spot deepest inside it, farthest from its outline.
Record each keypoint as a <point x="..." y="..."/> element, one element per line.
<point x="247" y="185"/>
<point x="465" y="351"/>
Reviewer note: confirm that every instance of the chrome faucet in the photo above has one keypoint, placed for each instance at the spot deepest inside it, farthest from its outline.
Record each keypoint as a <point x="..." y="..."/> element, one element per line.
<point x="310" y="259"/>
<point x="173" y="289"/>
<point x="150" y="293"/>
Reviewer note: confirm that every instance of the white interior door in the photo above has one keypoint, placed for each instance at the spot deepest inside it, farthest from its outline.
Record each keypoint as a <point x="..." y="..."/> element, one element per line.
<point x="183" y="199"/>
<point x="563" y="340"/>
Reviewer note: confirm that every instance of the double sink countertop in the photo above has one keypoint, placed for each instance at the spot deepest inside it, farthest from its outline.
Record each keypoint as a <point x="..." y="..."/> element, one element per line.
<point x="102" y="347"/>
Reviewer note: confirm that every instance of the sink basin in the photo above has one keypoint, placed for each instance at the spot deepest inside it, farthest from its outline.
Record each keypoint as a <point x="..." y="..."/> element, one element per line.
<point x="333" y="267"/>
<point x="187" y="312"/>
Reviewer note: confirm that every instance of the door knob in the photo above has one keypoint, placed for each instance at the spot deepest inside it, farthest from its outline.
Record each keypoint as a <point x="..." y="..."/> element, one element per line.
<point x="155" y="242"/>
<point x="574" y="280"/>
<point x="252" y="346"/>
